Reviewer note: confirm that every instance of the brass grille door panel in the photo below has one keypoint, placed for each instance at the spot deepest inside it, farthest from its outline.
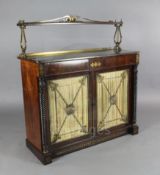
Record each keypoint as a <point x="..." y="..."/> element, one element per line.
<point x="112" y="99"/>
<point x="68" y="108"/>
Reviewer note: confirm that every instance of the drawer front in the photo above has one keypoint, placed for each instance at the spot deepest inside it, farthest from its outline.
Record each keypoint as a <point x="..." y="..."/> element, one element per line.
<point x="111" y="62"/>
<point x="66" y="67"/>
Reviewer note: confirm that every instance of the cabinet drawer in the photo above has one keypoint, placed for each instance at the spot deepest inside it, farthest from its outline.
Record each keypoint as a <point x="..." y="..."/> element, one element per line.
<point x="113" y="61"/>
<point x="66" y="67"/>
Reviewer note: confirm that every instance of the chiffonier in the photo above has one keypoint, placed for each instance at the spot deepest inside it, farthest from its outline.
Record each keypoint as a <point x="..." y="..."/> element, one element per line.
<point x="77" y="98"/>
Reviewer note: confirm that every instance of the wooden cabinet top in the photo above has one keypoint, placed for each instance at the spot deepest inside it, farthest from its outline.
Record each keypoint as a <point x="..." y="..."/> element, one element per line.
<point x="68" y="55"/>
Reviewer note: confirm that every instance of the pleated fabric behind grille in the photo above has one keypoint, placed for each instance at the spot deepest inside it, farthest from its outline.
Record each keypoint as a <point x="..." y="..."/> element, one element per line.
<point x="68" y="108"/>
<point x="112" y="99"/>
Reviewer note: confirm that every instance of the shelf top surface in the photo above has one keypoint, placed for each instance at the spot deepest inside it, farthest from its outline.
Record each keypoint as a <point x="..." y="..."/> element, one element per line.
<point x="67" y="55"/>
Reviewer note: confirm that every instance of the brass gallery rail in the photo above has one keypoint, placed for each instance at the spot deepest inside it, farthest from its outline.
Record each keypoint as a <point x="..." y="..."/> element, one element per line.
<point x="69" y="19"/>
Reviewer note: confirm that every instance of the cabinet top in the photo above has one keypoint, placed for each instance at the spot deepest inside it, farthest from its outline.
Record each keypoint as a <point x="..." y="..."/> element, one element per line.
<point x="66" y="55"/>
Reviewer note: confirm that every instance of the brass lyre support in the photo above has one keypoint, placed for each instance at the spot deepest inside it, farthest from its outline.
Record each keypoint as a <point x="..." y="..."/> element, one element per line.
<point x="23" y="41"/>
<point x="118" y="36"/>
<point x="70" y="19"/>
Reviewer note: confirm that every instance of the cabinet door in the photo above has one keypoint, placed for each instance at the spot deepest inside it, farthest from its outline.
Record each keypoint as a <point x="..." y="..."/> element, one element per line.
<point x="112" y="99"/>
<point x="68" y="108"/>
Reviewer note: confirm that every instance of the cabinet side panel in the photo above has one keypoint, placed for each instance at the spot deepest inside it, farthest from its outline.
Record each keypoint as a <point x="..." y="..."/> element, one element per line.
<point x="30" y="73"/>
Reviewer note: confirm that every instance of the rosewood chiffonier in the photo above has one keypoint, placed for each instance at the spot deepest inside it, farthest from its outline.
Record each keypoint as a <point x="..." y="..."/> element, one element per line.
<point x="77" y="98"/>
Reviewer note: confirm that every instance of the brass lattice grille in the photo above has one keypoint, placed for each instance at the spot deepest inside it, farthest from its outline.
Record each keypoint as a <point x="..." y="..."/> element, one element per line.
<point x="68" y="108"/>
<point x="112" y="99"/>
